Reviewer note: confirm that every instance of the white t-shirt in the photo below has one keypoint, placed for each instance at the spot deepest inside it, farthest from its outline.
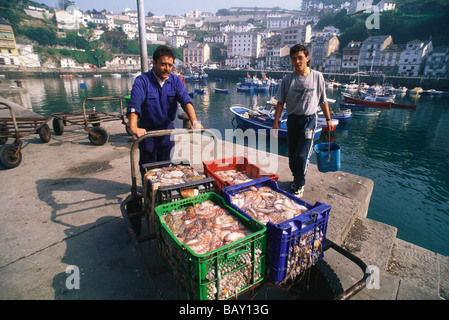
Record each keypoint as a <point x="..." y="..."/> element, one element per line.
<point x="302" y="95"/>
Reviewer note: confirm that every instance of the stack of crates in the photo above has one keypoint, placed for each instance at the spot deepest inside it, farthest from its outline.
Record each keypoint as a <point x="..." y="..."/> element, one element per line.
<point x="295" y="244"/>
<point x="236" y="163"/>
<point x="222" y="273"/>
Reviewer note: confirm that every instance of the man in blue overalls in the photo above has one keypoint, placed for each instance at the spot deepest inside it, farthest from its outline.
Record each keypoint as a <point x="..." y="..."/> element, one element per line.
<point x="153" y="106"/>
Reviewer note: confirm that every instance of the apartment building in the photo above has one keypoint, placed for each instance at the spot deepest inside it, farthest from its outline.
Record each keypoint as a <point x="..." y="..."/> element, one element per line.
<point x="413" y="58"/>
<point x="247" y="44"/>
<point x="350" y="57"/>
<point x="9" y="54"/>
<point x="437" y="64"/>
<point x="295" y="34"/>
<point x="371" y="52"/>
<point x="389" y="59"/>
<point x="276" y="23"/>
<point x="320" y="48"/>
<point x="196" y="54"/>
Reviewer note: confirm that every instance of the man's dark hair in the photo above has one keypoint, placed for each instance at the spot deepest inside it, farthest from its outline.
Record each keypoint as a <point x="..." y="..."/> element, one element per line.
<point x="300" y="47"/>
<point x="163" y="51"/>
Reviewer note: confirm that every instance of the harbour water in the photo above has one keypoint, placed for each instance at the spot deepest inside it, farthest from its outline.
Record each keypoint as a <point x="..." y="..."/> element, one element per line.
<point x="405" y="152"/>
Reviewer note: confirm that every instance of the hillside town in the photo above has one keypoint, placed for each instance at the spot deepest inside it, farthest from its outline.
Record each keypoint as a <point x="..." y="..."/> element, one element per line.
<point x="250" y="39"/>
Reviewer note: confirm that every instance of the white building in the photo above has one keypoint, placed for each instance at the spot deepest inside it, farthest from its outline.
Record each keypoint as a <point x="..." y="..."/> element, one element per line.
<point x="124" y="61"/>
<point x="437" y="64"/>
<point x="295" y="34"/>
<point x="219" y="37"/>
<point x="274" y="54"/>
<point x="274" y="23"/>
<point x="245" y="44"/>
<point x="385" y="5"/>
<point x="65" y="20"/>
<point x="359" y="5"/>
<point x="176" y="41"/>
<point x="413" y="58"/>
<point x="238" y="62"/>
<point x="68" y="63"/>
<point x="27" y="57"/>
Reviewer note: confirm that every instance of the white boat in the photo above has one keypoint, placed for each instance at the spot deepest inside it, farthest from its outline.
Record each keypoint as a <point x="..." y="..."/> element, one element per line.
<point x="432" y="92"/>
<point x="400" y="90"/>
<point x="97" y="75"/>
<point x="116" y="75"/>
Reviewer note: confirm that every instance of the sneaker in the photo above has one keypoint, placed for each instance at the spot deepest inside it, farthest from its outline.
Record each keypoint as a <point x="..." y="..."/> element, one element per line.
<point x="297" y="191"/>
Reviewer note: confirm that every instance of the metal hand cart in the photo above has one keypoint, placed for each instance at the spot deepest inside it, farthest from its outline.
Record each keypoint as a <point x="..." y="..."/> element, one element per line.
<point x="137" y="206"/>
<point x="91" y="120"/>
<point x="17" y="128"/>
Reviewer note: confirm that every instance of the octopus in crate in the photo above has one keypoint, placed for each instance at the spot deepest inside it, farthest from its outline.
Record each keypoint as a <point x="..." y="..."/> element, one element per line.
<point x="234" y="176"/>
<point x="171" y="175"/>
<point x="205" y="226"/>
<point x="266" y="204"/>
<point x="304" y="253"/>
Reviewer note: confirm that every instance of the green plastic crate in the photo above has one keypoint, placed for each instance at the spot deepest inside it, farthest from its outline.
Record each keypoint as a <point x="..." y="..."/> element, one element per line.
<point x="209" y="276"/>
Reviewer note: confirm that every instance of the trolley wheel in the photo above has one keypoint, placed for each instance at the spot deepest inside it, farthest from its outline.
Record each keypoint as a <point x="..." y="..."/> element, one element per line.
<point x="58" y="126"/>
<point x="44" y="133"/>
<point x="101" y="138"/>
<point x="7" y="158"/>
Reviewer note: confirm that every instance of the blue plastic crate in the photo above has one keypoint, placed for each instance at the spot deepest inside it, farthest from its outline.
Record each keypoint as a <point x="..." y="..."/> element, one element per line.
<point x="295" y="244"/>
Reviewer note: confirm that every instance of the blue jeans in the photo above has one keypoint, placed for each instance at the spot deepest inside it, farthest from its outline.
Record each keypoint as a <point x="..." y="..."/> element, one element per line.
<point x="300" y="134"/>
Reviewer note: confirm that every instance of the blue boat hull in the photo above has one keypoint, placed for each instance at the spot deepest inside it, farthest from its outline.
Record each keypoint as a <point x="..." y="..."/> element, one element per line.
<point x="263" y="123"/>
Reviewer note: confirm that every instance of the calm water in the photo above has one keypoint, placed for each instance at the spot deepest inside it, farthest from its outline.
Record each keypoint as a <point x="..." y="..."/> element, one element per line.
<point x="404" y="152"/>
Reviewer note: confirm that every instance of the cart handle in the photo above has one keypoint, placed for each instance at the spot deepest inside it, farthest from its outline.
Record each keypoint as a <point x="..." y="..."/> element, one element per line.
<point x="161" y="133"/>
<point x="351" y="291"/>
<point x="102" y="99"/>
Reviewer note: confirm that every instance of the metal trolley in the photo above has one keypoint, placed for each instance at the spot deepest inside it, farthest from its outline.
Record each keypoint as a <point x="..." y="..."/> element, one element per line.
<point x="137" y="206"/>
<point x="17" y="128"/>
<point x="91" y="120"/>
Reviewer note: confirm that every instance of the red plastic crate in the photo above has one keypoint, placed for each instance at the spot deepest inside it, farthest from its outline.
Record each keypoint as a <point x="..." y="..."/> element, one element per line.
<point x="238" y="163"/>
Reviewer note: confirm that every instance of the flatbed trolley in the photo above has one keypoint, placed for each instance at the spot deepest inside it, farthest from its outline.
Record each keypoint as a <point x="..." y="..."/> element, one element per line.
<point x="17" y="128"/>
<point x="91" y="120"/>
<point x="137" y="206"/>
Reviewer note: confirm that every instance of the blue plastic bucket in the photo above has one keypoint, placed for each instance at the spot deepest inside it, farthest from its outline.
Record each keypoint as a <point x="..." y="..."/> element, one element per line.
<point x="327" y="156"/>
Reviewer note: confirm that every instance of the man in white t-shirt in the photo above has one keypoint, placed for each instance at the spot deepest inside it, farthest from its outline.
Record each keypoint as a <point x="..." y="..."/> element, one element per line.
<point x="302" y="92"/>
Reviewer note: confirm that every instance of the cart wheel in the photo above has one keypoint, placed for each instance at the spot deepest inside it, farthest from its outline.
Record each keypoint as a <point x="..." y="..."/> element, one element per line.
<point x="332" y="280"/>
<point x="7" y="158"/>
<point x="58" y="126"/>
<point x="44" y="133"/>
<point x="102" y="136"/>
<point x="94" y="119"/>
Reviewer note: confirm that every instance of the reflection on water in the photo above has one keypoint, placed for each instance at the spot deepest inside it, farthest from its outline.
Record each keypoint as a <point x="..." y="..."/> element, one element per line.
<point x="405" y="152"/>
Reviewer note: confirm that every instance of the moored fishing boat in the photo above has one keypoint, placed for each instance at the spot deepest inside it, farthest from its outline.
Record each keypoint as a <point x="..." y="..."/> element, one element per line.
<point x="375" y="104"/>
<point x="218" y="90"/>
<point x="250" y="119"/>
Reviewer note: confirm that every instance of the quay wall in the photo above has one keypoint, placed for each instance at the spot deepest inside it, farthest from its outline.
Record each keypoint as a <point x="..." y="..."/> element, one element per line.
<point x="409" y="82"/>
<point x="439" y="83"/>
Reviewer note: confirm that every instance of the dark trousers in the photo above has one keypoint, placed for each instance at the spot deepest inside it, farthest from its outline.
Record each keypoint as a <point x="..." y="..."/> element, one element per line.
<point x="301" y="130"/>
